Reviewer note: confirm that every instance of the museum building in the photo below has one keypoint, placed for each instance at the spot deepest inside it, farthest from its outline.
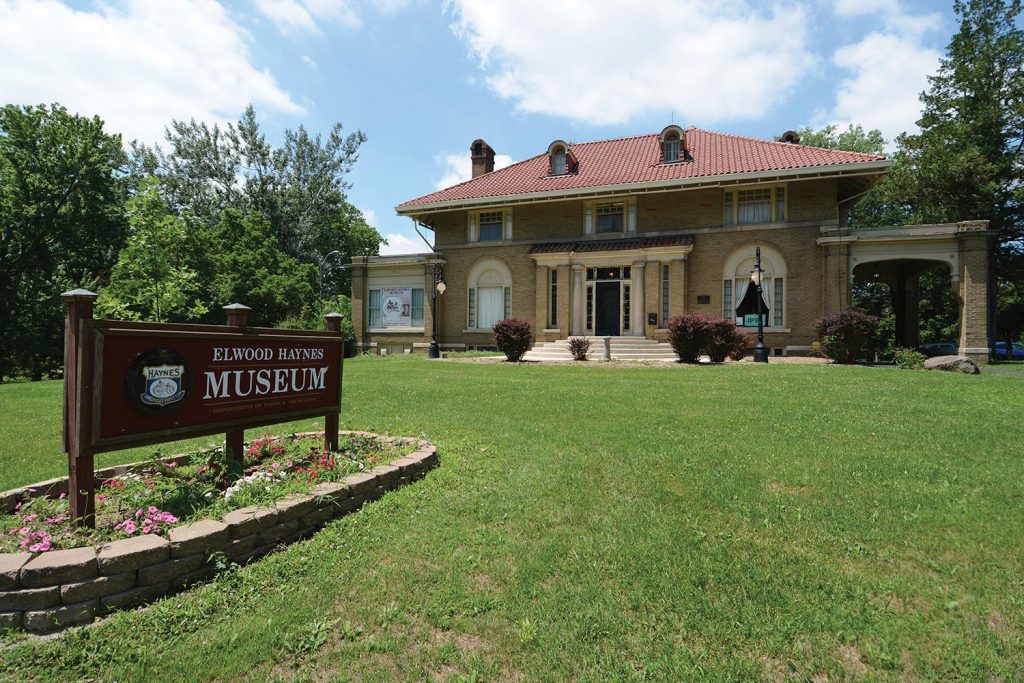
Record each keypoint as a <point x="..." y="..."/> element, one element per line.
<point x="613" y="238"/>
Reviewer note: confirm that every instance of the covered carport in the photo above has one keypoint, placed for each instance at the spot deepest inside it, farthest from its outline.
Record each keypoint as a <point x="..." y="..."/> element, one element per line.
<point x="898" y="257"/>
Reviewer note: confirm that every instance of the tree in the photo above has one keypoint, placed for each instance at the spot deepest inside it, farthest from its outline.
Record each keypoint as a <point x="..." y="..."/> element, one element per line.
<point x="154" y="278"/>
<point x="62" y="193"/>
<point x="248" y="267"/>
<point x="853" y="139"/>
<point x="968" y="160"/>
<point x="299" y="188"/>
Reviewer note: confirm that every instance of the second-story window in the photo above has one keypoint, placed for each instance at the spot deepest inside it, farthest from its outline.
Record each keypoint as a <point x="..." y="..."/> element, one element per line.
<point x="490" y="226"/>
<point x="609" y="217"/>
<point x="754" y="206"/>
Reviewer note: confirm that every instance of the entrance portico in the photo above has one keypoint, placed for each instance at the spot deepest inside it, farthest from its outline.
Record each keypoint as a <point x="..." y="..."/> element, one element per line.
<point x="609" y="282"/>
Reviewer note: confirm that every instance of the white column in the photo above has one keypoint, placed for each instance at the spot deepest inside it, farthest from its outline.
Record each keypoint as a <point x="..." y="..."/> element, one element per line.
<point x="577" y="301"/>
<point x="636" y="300"/>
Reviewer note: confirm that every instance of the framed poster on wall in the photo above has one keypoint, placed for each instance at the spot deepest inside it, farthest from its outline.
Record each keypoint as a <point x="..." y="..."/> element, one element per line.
<point x="396" y="307"/>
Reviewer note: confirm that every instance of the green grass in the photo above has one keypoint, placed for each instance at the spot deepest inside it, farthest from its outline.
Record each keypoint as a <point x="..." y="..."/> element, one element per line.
<point x="591" y="523"/>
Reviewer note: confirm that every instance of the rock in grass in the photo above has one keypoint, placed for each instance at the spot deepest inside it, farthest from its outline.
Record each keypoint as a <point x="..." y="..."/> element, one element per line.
<point x="952" y="364"/>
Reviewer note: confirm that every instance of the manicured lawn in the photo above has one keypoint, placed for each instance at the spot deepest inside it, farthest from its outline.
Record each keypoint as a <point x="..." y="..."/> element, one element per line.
<point x="589" y="523"/>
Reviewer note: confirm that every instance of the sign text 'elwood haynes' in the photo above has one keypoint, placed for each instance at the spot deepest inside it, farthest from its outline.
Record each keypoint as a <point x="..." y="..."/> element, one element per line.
<point x="195" y="381"/>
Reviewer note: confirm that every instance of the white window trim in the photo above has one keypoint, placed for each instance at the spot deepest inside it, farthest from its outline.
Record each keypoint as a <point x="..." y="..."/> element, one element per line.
<point x="393" y="330"/>
<point x="628" y="215"/>
<point x="473" y="223"/>
<point x="472" y="286"/>
<point x="733" y="192"/>
<point x="775" y="271"/>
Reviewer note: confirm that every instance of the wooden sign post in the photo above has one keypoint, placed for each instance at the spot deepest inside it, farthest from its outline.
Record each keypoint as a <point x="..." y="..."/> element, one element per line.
<point x="130" y="384"/>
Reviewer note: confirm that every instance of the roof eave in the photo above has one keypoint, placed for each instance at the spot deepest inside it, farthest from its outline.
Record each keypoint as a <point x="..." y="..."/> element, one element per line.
<point x="832" y="170"/>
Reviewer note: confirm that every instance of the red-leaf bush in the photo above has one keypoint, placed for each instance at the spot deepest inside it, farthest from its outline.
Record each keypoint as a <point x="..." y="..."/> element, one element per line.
<point x="691" y="334"/>
<point x="725" y="341"/>
<point x="512" y="337"/>
<point x="688" y="334"/>
<point x="846" y="335"/>
<point x="579" y="347"/>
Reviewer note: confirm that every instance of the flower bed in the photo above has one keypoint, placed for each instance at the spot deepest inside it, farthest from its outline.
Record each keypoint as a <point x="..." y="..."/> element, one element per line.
<point x="160" y="494"/>
<point x="165" y="520"/>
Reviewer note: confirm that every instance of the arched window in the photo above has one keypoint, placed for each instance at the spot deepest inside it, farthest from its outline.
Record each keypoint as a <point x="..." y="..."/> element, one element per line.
<point x="558" y="153"/>
<point x="489" y="295"/>
<point x="739" y="293"/>
<point x="673" y="144"/>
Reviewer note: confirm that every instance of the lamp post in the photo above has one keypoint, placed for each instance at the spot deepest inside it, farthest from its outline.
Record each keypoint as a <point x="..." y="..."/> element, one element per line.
<point x="439" y="286"/>
<point x="760" y="350"/>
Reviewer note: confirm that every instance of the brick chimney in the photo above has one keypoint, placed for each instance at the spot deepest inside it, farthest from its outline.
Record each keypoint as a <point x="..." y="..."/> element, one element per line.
<point x="483" y="158"/>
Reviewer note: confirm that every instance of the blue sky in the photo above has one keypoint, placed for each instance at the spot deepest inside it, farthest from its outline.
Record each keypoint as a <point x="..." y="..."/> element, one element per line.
<point x="423" y="79"/>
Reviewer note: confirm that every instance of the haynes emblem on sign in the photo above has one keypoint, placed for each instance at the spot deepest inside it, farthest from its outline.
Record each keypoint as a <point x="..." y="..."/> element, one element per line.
<point x="163" y="384"/>
<point x="158" y="381"/>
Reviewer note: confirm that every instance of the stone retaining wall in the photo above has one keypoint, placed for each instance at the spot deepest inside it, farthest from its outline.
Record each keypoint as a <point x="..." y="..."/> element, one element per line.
<point x="62" y="588"/>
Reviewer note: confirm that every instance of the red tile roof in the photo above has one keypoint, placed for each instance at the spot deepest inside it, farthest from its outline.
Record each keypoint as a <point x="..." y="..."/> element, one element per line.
<point x="636" y="160"/>
<point x="612" y="245"/>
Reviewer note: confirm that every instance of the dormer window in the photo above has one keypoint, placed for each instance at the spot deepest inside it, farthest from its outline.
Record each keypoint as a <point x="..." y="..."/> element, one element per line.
<point x="561" y="161"/>
<point x="673" y="145"/>
<point x="671" y="148"/>
<point x="558" y="163"/>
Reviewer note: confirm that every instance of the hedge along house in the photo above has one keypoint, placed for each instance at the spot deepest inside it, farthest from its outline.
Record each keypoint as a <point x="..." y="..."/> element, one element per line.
<point x="612" y="238"/>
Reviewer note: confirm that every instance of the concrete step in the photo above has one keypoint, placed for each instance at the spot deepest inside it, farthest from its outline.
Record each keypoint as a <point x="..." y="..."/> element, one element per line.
<point x="622" y="348"/>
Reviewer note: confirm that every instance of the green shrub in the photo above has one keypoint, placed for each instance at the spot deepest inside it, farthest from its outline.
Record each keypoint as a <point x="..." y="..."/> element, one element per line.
<point x="846" y="335"/>
<point x="908" y="359"/>
<point x="688" y="334"/>
<point x="513" y="337"/>
<point x="579" y="347"/>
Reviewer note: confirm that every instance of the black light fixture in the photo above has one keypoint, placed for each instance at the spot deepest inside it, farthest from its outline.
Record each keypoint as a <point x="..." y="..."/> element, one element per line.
<point x="760" y="350"/>
<point x="439" y="286"/>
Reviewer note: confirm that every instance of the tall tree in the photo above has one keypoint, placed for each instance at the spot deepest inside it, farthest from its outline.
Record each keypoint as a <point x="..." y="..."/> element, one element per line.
<point x="62" y="223"/>
<point x="299" y="187"/>
<point x="154" y="278"/>
<point x="968" y="159"/>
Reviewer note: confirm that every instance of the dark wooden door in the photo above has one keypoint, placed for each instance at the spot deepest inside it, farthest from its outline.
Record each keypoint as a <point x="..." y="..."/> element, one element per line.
<point x="606" y="309"/>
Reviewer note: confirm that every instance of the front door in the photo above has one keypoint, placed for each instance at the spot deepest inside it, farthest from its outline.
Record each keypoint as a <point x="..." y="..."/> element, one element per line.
<point x="606" y="309"/>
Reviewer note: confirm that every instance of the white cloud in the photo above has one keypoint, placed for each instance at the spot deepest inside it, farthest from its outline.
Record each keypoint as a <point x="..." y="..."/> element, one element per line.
<point x="457" y="167"/>
<point x="306" y="16"/>
<point x="402" y="244"/>
<point x="137" y="65"/>
<point x="608" y="61"/>
<point x="888" y="69"/>
<point x="370" y="216"/>
<point x="310" y="62"/>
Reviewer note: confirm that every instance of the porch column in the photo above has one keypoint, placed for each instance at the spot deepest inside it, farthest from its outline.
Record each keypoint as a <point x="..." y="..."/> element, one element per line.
<point x="637" y="317"/>
<point x="577" y="301"/>
<point x="542" y="299"/>
<point x="975" y="240"/>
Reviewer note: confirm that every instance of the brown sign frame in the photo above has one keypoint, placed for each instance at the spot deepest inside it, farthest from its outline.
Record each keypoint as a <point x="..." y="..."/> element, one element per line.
<point x="84" y="388"/>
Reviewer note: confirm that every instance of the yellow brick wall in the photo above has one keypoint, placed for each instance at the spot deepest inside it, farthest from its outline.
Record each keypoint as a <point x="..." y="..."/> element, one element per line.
<point x="814" y="283"/>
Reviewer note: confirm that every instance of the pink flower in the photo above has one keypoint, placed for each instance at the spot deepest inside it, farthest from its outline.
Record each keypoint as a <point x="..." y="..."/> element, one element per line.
<point x="25" y="542"/>
<point x="63" y="496"/>
<point x="30" y="518"/>
<point x="172" y="465"/>
<point x="24" y="530"/>
<point x="129" y="527"/>
<point x="100" y="497"/>
<point x="288" y="464"/>
<point x="40" y="547"/>
<point x="17" y="507"/>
